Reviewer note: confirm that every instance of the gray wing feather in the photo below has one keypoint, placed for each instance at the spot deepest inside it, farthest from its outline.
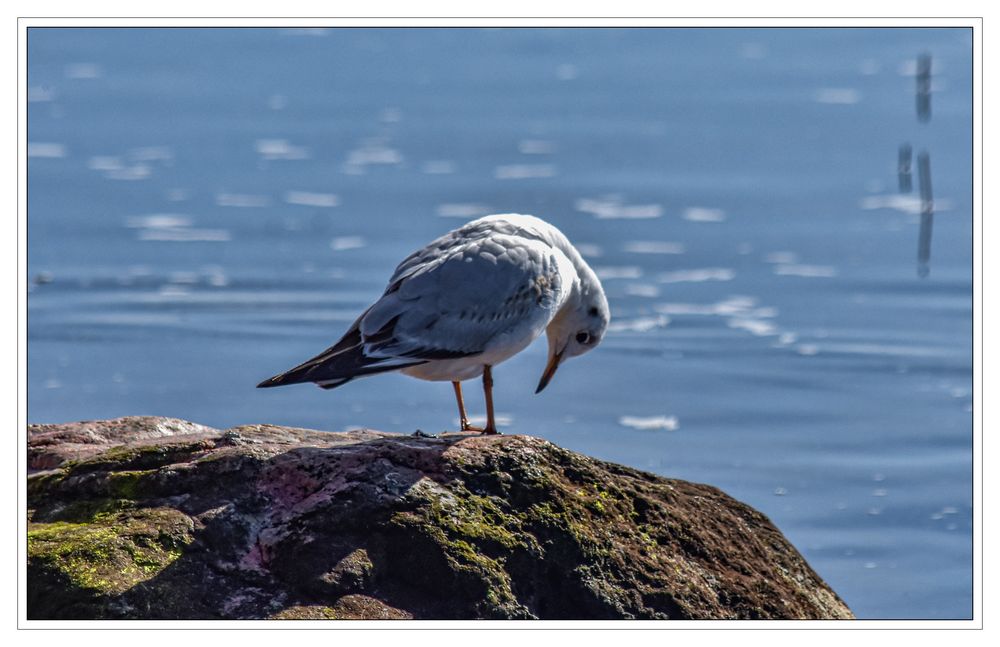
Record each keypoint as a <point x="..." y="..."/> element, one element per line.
<point x="456" y="296"/>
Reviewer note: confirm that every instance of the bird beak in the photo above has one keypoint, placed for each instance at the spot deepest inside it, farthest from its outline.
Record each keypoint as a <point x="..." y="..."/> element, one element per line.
<point x="550" y="370"/>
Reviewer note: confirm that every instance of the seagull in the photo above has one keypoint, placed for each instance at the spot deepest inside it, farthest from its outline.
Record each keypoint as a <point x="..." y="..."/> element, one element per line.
<point x="464" y="303"/>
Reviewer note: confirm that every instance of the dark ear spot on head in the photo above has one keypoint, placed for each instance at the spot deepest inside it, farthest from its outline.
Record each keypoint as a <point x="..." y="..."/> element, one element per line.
<point x="593" y="312"/>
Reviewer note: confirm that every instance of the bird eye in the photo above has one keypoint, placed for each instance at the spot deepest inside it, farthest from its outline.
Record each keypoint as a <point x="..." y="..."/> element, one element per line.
<point x="593" y="312"/>
<point x="583" y="337"/>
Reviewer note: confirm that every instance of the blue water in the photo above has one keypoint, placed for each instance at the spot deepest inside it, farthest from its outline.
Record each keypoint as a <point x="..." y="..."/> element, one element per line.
<point x="210" y="207"/>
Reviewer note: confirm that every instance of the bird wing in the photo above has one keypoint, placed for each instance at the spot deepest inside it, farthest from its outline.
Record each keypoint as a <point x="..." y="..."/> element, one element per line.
<point x="446" y="301"/>
<point x="453" y="301"/>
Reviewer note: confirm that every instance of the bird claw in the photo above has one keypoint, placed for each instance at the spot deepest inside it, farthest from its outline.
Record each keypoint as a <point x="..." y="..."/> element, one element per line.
<point x="485" y="431"/>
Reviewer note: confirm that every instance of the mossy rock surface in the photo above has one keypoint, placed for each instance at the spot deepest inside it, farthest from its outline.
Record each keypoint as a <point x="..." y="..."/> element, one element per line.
<point x="174" y="520"/>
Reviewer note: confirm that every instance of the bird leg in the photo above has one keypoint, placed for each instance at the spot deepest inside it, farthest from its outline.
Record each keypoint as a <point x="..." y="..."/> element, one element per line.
<point x="461" y="409"/>
<point x="491" y="427"/>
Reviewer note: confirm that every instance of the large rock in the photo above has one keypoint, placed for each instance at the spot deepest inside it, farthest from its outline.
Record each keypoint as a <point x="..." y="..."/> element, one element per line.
<point x="161" y="518"/>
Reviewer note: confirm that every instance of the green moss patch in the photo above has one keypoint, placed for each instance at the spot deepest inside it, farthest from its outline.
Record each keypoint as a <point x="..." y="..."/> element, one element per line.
<point x="113" y="551"/>
<point x="348" y="607"/>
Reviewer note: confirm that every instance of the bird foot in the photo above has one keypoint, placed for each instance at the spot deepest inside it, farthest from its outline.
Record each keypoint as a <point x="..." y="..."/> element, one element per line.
<point x="488" y="430"/>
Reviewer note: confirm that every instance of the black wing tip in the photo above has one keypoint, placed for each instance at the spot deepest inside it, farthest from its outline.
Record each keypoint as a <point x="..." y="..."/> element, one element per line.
<point x="280" y="380"/>
<point x="269" y="382"/>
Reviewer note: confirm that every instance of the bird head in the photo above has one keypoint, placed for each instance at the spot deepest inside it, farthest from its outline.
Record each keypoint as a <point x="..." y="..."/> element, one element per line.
<point x="576" y="329"/>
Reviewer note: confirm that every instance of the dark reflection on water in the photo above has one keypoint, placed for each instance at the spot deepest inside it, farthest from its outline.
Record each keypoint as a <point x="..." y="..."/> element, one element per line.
<point x="207" y="207"/>
<point x="924" y="87"/>
<point x="926" y="215"/>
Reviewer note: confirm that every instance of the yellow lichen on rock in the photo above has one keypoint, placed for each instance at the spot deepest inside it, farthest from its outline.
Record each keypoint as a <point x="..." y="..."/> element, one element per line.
<point x="112" y="552"/>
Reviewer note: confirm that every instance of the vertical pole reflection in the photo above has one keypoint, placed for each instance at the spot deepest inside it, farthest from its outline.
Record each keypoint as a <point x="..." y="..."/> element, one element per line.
<point x="926" y="214"/>
<point x="924" y="87"/>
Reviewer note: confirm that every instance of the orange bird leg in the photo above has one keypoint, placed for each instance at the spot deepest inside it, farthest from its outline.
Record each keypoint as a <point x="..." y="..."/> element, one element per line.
<point x="491" y="425"/>
<point x="461" y="409"/>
